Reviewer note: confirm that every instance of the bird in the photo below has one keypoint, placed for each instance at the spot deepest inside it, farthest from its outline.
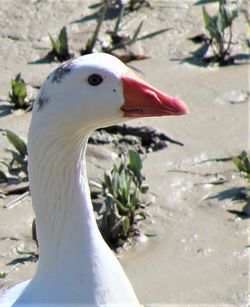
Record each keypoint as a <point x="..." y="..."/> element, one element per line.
<point x="75" y="264"/>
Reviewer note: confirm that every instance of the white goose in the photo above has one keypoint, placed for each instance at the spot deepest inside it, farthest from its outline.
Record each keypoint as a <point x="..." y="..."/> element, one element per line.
<point x="75" y="264"/>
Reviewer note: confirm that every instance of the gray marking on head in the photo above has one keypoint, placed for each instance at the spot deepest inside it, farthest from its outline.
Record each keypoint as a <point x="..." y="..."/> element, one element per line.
<point x="61" y="71"/>
<point x="41" y="101"/>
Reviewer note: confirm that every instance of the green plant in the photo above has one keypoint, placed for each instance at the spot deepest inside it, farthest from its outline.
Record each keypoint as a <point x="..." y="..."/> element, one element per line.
<point x="121" y="188"/>
<point x="92" y="42"/>
<point x="220" y="29"/>
<point x="118" y="39"/>
<point x="3" y="275"/>
<point x="60" y="48"/>
<point x="19" y="162"/>
<point x="18" y="93"/>
<point x="121" y="40"/>
<point x="242" y="162"/>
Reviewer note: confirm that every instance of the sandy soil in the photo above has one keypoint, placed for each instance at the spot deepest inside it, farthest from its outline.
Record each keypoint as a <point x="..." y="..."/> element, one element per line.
<point x="198" y="255"/>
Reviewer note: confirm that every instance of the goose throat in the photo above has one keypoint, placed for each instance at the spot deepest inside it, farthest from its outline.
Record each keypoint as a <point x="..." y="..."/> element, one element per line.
<point x="61" y="198"/>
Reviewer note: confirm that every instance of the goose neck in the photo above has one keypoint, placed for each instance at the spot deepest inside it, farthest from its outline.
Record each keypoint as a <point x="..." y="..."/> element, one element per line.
<point x="65" y="221"/>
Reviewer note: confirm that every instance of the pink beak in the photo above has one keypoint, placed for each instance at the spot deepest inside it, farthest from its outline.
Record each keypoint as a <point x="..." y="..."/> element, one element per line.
<point x="143" y="100"/>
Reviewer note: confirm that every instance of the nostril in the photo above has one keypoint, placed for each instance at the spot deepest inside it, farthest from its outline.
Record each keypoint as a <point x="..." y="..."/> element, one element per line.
<point x="151" y="94"/>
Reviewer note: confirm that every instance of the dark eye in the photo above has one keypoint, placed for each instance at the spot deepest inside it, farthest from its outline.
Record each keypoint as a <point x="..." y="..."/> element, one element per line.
<point x="95" y="79"/>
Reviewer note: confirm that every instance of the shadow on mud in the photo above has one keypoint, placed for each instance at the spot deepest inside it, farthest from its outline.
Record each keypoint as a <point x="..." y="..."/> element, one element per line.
<point x="31" y="257"/>
<point x="235" y="194"/>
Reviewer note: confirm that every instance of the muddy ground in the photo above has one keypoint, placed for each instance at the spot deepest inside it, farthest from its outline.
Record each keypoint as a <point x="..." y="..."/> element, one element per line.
<point x="198" y="254"/>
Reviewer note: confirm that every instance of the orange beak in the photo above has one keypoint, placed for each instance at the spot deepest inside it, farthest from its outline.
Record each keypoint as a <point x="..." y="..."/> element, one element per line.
<point x="143" y="100"/>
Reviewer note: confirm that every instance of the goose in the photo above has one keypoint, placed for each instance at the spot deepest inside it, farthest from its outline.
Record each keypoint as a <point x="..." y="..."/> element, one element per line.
<point x="76" y="266"/>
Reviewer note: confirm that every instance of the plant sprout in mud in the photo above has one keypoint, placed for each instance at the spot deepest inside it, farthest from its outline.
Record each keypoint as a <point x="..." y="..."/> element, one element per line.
<point x="92" y="41"/>
<point x="17" y="167"/>
<point x="242" y="163"/>
<point x="118" y="39"/>
<point x="220" y="31"/>
<point x="60" y="48"/>
<point x="121" y="188"/>
<point x="18" y="93"/>
<point x="3" y="275"/>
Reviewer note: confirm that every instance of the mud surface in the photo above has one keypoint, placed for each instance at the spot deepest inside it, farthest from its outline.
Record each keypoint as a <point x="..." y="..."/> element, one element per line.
<point x="198" y="254"/>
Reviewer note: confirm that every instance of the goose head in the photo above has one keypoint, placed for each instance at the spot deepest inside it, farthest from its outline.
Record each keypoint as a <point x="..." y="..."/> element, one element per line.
<point x="97" y="90"/>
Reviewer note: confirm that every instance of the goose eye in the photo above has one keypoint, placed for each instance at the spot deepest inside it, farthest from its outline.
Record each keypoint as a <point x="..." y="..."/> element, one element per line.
<point x="95" y="79"/>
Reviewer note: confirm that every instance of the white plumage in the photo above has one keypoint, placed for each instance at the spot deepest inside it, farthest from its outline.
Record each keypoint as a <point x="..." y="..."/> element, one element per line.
<point x="75" y="264"/>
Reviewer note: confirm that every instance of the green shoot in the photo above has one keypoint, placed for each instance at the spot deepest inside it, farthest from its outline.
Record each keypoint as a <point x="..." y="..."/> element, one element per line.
<point x="3" y="275"/>
<point x="118" y="39"/>
<point x="122" y="41"/>
<point x="18" y="93"/>
<point x="120" y="16"/>
<point x="19" y="161"/>
<point x="60" y="48"/>
<point x="242" y="162"/>
<point x="121" y="188"/>
<point x="220" y="29"/>
<point x="92" y="42"/>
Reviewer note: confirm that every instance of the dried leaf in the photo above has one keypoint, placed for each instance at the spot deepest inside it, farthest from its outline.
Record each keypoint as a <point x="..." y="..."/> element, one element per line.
<point x="130" y="57"/>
